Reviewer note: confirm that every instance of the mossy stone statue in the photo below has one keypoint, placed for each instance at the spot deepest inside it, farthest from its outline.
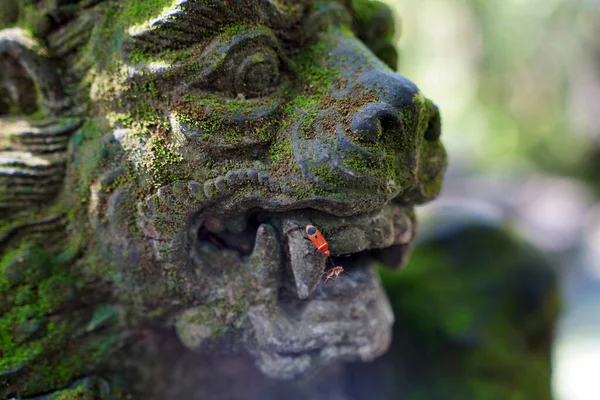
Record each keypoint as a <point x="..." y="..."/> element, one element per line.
<point x="159" y="161"/>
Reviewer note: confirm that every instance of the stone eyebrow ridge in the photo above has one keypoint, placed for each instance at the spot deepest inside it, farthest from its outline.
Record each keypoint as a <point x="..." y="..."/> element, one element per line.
<point x="193" y="21"/>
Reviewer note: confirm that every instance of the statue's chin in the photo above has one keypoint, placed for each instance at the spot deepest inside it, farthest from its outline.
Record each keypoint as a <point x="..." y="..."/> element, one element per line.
<point x="349" y="319"/>
<point x="297" y="316"/>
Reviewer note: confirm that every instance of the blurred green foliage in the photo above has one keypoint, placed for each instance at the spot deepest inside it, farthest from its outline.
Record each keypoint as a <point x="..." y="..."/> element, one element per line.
<point x="517" y="81"/>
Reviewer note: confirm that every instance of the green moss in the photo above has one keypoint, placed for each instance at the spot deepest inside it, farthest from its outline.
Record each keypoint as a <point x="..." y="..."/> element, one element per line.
<point x="162" y="159"/>
<point x="170" y="55"/>
<point x="80" y="392"/>
<point x="28" y="328"/>
<point x="30" y="17"/>
<point x="326" y="175"/>
<point x="235" y="29"/>
<point x="119" y="17"/>
<point x="196" y="105"/>
<point x="265" y="133"/>
<point x="10" y="13"/>
<point x="55" y="291"/>
<point x="210" y="115"/>
<point x="136" y="12"/>
<point x="364" y="165"/>
<point x="281" y="151"/>
<point x="221" y="316"/>
<point x="312" y="67"/>
<point x="89" y="156"/>
<point x="67" y="365"/>
<point x="365" y="10"/>
<point x="231" y="136"/>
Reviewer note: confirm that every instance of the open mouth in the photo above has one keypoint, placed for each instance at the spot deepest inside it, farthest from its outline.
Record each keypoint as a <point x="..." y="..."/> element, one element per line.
<point x="354" y="242"/>
<point x="305" y="320"/>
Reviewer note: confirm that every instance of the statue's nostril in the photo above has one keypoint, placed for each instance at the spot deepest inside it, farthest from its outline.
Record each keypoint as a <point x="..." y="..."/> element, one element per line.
<point x="390" y="123"/>
<point x="375" y="119"/>
<point x="434" y="126"/>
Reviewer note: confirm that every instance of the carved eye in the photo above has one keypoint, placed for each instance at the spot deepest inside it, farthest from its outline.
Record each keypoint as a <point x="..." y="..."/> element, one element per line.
<point x="257" y="74"/>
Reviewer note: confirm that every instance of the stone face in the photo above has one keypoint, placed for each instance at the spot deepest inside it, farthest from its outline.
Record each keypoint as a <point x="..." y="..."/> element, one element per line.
<point x="163" y="165"/>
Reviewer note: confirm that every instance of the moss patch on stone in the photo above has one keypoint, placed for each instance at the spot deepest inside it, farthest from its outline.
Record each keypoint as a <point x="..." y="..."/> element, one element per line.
<point x="40" y="292"/>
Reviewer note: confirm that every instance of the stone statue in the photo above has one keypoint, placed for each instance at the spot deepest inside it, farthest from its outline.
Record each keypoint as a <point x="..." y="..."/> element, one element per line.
<point x="159" y="162"/>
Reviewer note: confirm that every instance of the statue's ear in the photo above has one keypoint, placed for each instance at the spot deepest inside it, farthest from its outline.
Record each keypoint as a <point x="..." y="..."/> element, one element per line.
<point x="28" y="81"/>
<point x="33" y="146"/>
<point x="374" y="25"/>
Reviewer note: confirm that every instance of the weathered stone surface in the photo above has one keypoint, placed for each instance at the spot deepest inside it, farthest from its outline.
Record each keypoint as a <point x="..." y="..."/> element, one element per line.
<point x="161" y="160"/>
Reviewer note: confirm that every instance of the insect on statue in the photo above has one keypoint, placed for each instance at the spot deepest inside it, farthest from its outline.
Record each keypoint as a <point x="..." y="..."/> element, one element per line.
<point x="321" y="244"/>
<point x="333" y="272"/>
<point x="317" y="238"/>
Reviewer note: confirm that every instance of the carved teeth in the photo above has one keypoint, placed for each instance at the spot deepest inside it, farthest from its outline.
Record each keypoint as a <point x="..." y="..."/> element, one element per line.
<point x="307" y="266"/>
<point x="396" y="255"/>
<point x="181" y="198"/>
<point x="403" y="228"/>
<point x="266" y="256"/>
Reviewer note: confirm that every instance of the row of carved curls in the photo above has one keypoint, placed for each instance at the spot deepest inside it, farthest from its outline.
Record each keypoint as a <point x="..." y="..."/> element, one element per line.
<point x="173" y="203"/>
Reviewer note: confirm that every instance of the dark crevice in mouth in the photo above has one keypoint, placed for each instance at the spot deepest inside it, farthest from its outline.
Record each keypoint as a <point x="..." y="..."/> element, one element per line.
<point x="236" y="232"/>
<point x="205" y="235"/>
<point x="351" y="262"/>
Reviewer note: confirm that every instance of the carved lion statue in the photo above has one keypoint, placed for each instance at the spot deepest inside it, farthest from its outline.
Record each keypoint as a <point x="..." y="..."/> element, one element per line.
<point x="159" y="162"/>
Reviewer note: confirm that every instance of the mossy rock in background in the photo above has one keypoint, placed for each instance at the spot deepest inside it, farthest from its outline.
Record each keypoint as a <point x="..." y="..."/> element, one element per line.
<point x="476" y="309"/>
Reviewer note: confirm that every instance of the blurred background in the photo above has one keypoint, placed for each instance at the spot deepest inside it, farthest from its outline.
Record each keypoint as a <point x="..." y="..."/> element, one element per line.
<point x="518" y="86"/>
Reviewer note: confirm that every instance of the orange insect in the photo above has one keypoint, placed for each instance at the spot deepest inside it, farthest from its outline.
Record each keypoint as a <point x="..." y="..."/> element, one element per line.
<point x="335" y="271"/>
<point x="316" y="237"/>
